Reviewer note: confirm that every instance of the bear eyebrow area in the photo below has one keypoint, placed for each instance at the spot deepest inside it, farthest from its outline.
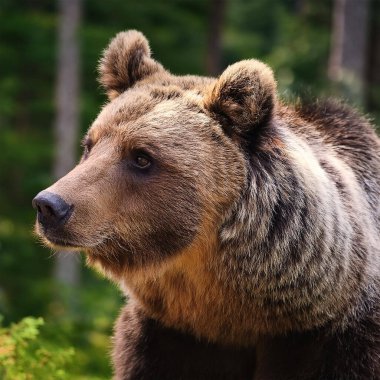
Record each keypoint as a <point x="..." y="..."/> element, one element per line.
<point x="87" y="144"/>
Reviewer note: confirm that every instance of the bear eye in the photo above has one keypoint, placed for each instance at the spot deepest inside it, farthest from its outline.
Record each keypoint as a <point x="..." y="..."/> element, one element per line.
<point x="141" y="160"/>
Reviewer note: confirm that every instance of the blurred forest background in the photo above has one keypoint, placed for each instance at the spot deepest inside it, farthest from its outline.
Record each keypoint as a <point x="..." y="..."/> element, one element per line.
<point x="49" y="96"/>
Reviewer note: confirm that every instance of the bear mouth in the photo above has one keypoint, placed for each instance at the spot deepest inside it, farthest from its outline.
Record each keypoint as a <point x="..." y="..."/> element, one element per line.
<point x="64" y="240"/>
<point x="56" y="240"/>
<point x="60" y="243"/>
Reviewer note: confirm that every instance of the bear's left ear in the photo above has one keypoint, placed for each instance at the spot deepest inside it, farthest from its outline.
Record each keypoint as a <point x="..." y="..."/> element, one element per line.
<point x="126" y="61"/>
<point x="243" y="97"/>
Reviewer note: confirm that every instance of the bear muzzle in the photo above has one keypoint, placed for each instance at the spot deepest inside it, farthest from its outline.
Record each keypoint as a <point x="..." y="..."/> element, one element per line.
<point x="52" y="212"/>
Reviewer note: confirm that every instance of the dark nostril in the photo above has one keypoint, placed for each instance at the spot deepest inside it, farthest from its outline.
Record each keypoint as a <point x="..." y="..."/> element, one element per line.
<point x="49" y="210"/>
<point x="52" y="210"/>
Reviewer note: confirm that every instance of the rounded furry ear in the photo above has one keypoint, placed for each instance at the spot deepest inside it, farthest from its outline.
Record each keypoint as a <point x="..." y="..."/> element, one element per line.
<point x="243" y="97"/>
<point x="125" y="61"/>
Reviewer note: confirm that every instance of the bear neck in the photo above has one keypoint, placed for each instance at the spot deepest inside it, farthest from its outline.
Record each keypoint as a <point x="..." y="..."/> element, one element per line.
<point x="290" y="245"/>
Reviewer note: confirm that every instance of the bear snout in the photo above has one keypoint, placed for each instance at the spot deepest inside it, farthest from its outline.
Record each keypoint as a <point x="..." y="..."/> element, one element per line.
<point x="52" y="210"/>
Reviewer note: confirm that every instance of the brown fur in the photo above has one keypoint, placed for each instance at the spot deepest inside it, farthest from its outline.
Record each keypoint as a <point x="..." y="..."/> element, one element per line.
<point x="255" y="228"/>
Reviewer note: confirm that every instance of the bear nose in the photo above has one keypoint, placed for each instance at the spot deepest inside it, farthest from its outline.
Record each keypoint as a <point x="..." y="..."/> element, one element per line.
<point x="52" y="210"/>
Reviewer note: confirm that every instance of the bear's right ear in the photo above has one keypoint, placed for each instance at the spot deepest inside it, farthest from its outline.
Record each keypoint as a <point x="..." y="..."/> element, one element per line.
<point x="243" y="98"/>
<point x="125" y="61"/>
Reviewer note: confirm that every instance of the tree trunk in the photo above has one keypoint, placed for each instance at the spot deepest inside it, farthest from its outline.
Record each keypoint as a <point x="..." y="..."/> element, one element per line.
<point x="66" y="269"/>
<point x="214" y="49"/>
<point x="373" y="72"/>
<point x="348" y="55"/>
<point x="301" y="7"/>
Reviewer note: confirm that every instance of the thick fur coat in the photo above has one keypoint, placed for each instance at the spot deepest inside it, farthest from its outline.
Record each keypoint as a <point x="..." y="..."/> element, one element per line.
<point x="244" y="231"/>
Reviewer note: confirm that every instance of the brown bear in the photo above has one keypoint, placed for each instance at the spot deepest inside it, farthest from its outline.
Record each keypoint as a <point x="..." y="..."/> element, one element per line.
<point x="244" y="231"/>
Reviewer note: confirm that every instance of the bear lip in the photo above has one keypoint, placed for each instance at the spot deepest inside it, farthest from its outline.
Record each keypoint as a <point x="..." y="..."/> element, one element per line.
<point x="56" y="241"/>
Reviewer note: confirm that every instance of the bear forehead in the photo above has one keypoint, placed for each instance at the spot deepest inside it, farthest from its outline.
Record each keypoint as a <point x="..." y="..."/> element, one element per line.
<point x="154" y="110"/>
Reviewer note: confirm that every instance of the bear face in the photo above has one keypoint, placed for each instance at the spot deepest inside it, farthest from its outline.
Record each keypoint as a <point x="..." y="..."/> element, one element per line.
<point x="156" y="158"/>
<point x="146" y="162"/>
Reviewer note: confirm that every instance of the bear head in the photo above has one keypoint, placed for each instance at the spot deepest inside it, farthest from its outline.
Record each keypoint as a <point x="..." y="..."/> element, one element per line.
<point x="163" y="162"/>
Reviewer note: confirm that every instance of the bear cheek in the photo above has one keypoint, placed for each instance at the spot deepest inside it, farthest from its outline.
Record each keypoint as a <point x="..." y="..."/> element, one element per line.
<point x="178" y="228"/>
<point x="178" y="217"/>
<point x="154" y="224"/>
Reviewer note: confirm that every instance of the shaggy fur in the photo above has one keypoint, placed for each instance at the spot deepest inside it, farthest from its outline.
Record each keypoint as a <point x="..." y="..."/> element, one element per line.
<point x="249" y="245"/>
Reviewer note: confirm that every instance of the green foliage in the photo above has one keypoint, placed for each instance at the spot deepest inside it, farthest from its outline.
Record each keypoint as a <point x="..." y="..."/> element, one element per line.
<point x="83" y="318"/>
<point x="294" y="42"/>
<point x="33" y="350"/>
<point x="24" y="356"/>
